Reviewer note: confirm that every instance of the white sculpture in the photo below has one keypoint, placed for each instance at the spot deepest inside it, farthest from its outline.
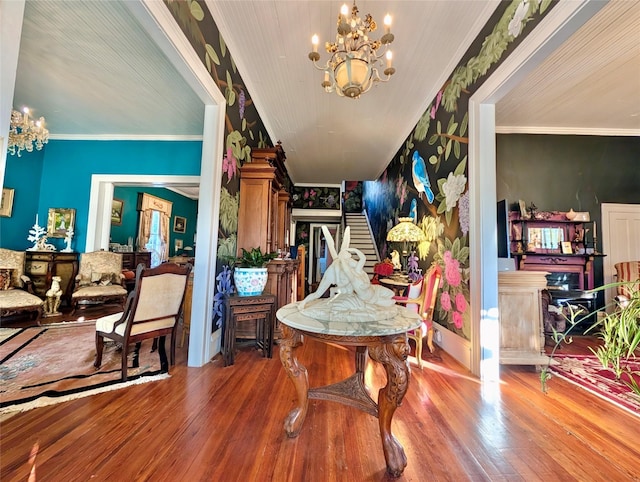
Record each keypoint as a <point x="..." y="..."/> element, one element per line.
<point x="53" y="294"/>
<point x="67" y="240"/>
<point x="395" y="259"/>
<point x="38" y="238"/>
<point x="353" y="298"/>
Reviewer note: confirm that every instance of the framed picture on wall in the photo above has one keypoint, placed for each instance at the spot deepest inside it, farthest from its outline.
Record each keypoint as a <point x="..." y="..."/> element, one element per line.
<point x="6" y="203"/>
<point x="179" y="224"/>
<point x="59" y="221"/>
<point x="116" y="211"/>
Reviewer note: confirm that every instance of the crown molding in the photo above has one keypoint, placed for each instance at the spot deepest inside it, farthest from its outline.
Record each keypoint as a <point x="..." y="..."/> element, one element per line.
<point x="123" y="137"/>
<point x="569" y="131"/>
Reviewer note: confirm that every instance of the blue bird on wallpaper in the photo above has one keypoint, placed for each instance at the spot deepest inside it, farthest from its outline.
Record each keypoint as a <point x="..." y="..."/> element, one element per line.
<point x="420" y="177"/>
<point x="413" y="210"/>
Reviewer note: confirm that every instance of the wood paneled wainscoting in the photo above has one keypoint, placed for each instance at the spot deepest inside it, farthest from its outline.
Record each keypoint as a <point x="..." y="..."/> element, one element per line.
<point x="226" y="424"/>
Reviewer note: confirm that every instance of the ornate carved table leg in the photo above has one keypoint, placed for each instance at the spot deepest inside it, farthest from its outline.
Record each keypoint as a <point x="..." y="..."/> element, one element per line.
<point x="393" y="356"/>
<point x="298" y="375"/>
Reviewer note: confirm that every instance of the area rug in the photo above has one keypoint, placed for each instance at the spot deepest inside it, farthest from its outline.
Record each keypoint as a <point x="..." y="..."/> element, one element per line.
<point x="587" y="372"/>
<point x="46" y="365"/>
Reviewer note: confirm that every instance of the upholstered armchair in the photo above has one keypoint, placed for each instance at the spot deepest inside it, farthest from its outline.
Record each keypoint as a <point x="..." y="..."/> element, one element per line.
<point x="99" y="279"/>
<point x="16" y="292"/>
<point x="152" y="311"/>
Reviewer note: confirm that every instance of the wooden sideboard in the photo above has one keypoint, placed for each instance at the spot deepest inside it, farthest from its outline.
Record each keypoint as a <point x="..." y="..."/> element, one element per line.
<point x="521" y="322"/>
<point x="42" y="266"/>
<point x="131" y="259"/>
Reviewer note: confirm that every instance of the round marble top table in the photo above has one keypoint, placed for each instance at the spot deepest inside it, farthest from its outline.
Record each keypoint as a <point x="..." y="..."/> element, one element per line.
<point x="385" y="341"/>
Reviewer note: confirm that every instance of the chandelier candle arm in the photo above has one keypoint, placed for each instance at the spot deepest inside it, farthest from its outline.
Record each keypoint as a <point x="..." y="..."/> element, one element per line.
<point x="351" y="69"/>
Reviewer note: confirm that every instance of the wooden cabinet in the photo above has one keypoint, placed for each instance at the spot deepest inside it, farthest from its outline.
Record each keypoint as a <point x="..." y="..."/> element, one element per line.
<point x="264" y="212"/>
<point x="264" y="217"/>
<point x="42" y="266"/>
<point x="521" y="323"/>
<point x="131" y="260"/>
<point x="555" y="244"/>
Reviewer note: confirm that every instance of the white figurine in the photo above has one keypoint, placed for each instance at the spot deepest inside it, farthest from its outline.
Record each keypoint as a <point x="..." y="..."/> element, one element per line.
<point x="53" y="294"/>
<point x="67" y="240"/>
<point x="395" y="259"/>
<point x="354" y="297"/>
<point x="37" y="237"/>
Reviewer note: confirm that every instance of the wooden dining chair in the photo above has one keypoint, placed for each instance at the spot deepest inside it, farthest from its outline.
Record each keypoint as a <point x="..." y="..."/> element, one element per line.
<point x="421" y="297"/>
<point x="152" y="311"/>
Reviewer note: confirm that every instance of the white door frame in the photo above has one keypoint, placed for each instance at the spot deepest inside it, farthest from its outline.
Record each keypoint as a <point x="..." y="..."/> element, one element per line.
<point x="609" y="261"/>
<point x="482" y="356"/>
<point x="158" y="22"/>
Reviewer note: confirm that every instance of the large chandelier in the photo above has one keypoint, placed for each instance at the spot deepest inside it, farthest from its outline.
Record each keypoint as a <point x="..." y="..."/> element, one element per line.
<point x="24" y="133"/>
<point x="351" y="70"/>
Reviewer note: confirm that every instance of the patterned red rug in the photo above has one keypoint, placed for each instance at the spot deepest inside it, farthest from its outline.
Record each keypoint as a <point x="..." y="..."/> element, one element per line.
<point x="45" y="365"/>
<point x="587" y="372"/>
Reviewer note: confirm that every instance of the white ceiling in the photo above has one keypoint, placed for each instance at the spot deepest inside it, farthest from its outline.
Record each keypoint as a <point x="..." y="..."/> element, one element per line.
<point x="92" y="71"/>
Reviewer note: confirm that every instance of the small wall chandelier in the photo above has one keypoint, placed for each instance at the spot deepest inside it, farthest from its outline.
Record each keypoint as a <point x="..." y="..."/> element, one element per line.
<point x="351" y="70"/>
<point x="24" y="133"/>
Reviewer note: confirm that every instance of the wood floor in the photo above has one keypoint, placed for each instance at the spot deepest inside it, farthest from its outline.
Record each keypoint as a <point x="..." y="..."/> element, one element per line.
<point x="226" y="424"/>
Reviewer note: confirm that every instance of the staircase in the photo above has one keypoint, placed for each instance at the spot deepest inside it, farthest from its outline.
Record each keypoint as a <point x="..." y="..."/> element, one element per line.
<point x="362" y="239"/>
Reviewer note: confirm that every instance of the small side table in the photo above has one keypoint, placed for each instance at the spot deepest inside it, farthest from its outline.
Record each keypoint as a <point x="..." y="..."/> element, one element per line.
<point x="260" y="308"/>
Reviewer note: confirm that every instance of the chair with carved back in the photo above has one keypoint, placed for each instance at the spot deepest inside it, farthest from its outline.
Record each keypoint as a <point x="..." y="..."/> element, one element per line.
<point x="99" y="279"/>
<point x="152" y="311"/>
<point x="421" y="297"/>
<point x="16" y="292"/>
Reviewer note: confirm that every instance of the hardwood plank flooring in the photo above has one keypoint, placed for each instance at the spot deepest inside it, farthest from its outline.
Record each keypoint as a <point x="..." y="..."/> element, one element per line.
<point x="226" y="424"/>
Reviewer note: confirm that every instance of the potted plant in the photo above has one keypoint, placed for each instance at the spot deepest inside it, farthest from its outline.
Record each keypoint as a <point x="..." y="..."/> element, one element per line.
<point x="620" y="335"/>
<point x="250" y="271"/>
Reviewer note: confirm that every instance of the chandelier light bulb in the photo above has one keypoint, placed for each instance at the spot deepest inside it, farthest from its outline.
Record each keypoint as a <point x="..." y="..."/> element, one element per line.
<point x="389" y="58"/>
<point x="314" y="42"/>
<point x="344" y="10"/>
<point x="387" y="23"/>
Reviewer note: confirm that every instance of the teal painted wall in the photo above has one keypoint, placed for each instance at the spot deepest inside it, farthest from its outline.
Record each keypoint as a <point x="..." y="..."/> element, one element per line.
<point x="182" y="206"/>
<point x="64" y="179"/>
<point x="22" y="174"/>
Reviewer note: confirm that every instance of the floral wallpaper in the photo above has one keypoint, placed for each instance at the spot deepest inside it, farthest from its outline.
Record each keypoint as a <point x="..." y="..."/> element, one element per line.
<point x="428" y="177"/>
<point x="244" y="128"/>
<point x="303" y="197"/>
<point x="352" y="196"/>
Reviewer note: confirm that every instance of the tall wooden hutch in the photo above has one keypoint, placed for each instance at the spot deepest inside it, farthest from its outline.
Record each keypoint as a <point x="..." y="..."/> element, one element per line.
<point x="264" y="218"/>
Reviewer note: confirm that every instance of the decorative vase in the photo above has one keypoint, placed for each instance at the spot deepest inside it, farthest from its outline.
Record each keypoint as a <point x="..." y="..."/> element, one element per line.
<point x="250" y="281"/>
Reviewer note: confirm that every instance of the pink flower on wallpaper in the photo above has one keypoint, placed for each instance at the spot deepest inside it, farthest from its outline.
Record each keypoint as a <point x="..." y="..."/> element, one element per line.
<point x="457" y="320"/>
<point x="461" y="303"/>
<point x="403" y="193"/>
<point x="310" y="203"/>
<point x="229" y="165"/>
<point x="312" y="193"/>
<point x="306" y="195"/>
<point x="452" y="269"/>
<point x="445" y="301"/>
<point x="435" y="107"/>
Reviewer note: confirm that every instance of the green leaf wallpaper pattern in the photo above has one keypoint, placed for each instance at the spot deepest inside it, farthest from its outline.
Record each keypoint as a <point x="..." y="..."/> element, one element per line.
<point x="441" y="138"/>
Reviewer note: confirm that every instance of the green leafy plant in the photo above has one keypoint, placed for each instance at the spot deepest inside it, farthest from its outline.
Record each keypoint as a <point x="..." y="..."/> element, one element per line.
<point x="619" y="332"/>
<point x="254" y="258"/>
